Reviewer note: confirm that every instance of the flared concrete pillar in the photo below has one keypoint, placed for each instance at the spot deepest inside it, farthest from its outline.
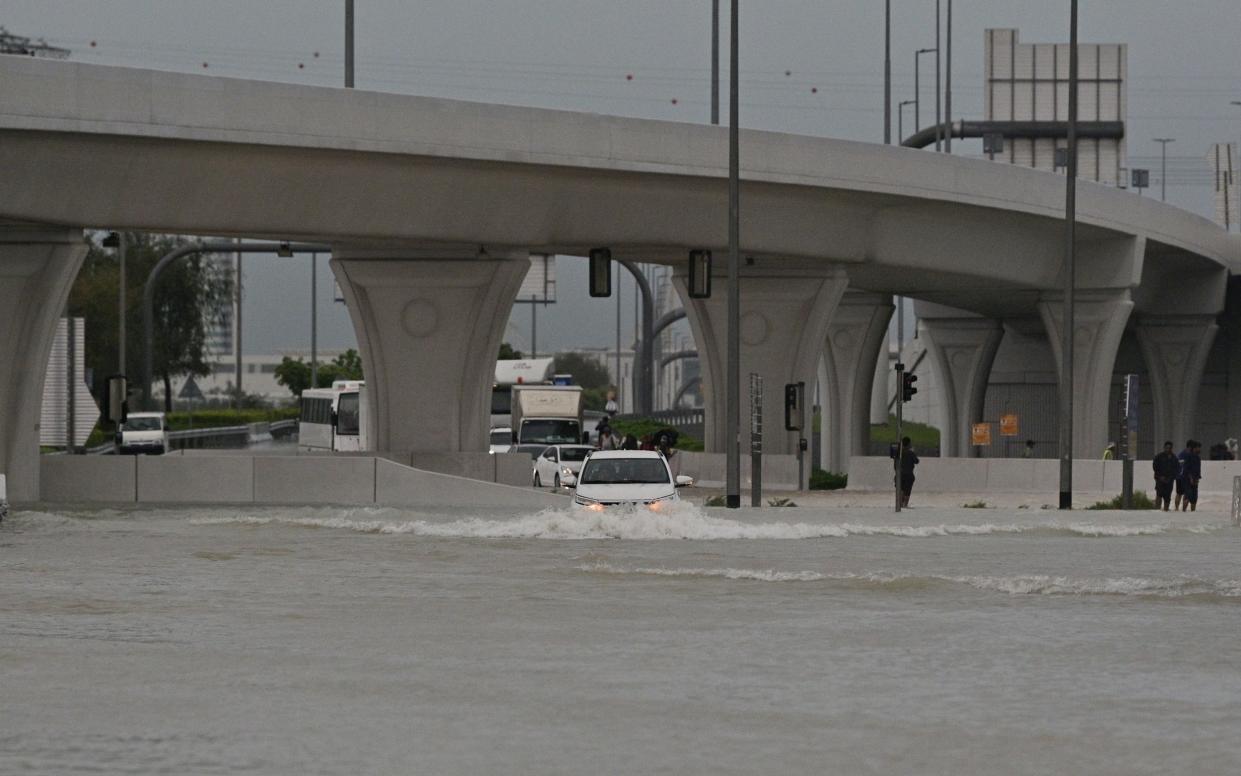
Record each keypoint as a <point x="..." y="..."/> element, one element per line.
<point x="856" y="335"/>
<point x="784" y="318"/>
<point x="38" y="265"/>
<point x="961" y="348"/>
<point x="1099" y="320"/>
<point x="428" y="331"/>
<point x="1175" y="348"/>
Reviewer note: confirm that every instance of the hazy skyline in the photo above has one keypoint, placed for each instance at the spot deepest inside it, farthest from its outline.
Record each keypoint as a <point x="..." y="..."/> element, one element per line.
<point x="806" y="67"/>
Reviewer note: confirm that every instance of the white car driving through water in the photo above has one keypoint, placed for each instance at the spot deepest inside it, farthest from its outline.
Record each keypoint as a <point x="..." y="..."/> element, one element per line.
<point x="612" y="478"/>
<point x="559" y="464"/>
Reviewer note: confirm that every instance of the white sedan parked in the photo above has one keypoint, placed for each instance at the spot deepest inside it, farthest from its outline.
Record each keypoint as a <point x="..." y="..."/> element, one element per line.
<point x="559" y="463"/>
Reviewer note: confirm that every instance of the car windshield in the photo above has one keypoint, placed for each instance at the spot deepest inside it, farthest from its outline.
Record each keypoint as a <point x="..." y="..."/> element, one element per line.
<point x="615" y="471"/>
<point x="573" y="453"/>
<point x="501" y="437"/>
<point x="550" y="432"/>
<point x="142" y="424"/>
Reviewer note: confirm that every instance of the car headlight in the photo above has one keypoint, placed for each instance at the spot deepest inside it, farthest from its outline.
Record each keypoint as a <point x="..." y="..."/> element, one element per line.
<point x="566" y="471"/>
<point x="589" y="503"/>
<point x="660" y="503"/>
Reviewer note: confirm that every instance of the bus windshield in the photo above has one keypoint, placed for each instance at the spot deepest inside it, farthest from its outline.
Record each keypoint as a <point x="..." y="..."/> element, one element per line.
<point x="550" y="432"/>
<point x="348" y="417"/>
<point x="501" y="400"/>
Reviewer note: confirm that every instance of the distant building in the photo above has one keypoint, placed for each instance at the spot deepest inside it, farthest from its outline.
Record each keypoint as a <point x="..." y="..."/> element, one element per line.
<point x="258" y="377"/>
<point x="1028" y="82"/>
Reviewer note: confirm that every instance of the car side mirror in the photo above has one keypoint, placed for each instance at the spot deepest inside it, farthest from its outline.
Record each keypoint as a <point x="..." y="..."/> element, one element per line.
<point x="683" y="481"/>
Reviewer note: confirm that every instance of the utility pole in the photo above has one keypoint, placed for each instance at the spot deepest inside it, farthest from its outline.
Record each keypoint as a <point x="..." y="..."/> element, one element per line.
<point x="715" y="62"/>
<point x="120" y="255"/>
<point x="887" y="72"/>
<point x="1163" y="166"/>
<point x="237" y="323"/>
<point x="348" y="44"/>
<point x="939" y="125"/>
<point x="314" y="320"/>
<point x="732" y="404"/>
<point x="948" y="83"/>
<point x="1070" y="246"/>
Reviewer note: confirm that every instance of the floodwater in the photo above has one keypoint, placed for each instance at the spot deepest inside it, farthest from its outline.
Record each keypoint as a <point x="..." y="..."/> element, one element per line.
<point x="852" y="641"/>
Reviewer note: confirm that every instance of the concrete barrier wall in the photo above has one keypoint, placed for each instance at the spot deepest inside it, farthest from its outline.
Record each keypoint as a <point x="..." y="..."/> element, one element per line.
<point x="982" y="475"/>
<point x="314" y="480"/>
<point x="180" y="479"/>
<point x="267" y="479"/>
<point x="88" y="478"/>
<point x="708" y="469"/>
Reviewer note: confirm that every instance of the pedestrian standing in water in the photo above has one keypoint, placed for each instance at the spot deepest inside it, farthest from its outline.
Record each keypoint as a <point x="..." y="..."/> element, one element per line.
<point x="1166" y="468"/>
<point x="904" y="465"/>
<point x="606" y="440"/>
<point x="1191" y="475"/>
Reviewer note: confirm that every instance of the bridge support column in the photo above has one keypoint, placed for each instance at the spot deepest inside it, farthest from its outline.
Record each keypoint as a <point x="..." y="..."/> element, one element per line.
<point x="38" y="265"/>
<point x="856" y="335"/>
<point x="784" y="318"/>
<point x="428" y="331"/>
<point x="1100" y="317"/>
<point x="962" y="348"/>
<point x="1175" y="348"/>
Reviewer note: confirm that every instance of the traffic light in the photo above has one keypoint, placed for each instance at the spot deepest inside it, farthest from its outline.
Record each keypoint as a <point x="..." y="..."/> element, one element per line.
<point x="794" y="406"/>
<point x="600" y="272"/>
<point x="908" y="390"/>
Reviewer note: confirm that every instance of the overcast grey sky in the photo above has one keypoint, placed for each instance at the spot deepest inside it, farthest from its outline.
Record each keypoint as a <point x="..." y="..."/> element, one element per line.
<point x="808" y="66"/>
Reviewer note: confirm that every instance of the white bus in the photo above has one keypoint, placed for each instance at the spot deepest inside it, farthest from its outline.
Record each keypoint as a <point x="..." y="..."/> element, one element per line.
<point x="334" y="419"/>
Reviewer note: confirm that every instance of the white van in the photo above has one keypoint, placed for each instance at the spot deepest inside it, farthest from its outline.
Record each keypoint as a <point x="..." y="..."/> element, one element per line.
<point x="143" y="432"/>
<point x="334" y="418"/>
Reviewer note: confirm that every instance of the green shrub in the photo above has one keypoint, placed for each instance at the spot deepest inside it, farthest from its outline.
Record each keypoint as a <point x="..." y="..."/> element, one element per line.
<point x="715" y="501"/>
<point x="922" y="436"/>
<point x="975" y="505"/>
<point x="824" y="480"/>
<point x="1140" y="501"/>
<point x="781" y="502"/>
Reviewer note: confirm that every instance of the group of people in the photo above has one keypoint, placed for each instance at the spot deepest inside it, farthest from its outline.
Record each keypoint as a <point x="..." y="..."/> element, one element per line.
<point x="661" y="441"/>
<point x="1182" y="472"/>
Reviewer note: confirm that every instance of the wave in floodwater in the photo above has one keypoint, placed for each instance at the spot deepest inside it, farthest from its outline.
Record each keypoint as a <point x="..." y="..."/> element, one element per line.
<point x="1034" y="584"/>
<point x="680" y="521"/>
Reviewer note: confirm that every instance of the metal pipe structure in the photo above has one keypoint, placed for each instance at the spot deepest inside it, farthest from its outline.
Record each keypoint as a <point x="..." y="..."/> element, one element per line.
<point x="314" y="320"/>
<point x="1070" y="257"/>
<point x="148" y="291"/>
<point x="732" y="403"/>
<point x="685" y="388"/>
<point x="1106" y="130"/>
<point x="677" y="355"/>
<point x="121" y="247"/>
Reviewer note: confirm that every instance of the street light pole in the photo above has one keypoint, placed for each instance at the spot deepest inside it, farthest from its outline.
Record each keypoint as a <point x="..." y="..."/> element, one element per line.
<point x="715" y="62"/>
<point x="732" y="404"/>
<point x="1163" y="166"/>
<point x="900" y="120"/>
<point x="938" y="118"/>
<point x="348" y="44"/>
<point x="948" y="83"/>
<point x="918" y="86"/>
<point x="1070" y="247"/>
<point x="120" y="255"/>
<point x="314" y="320"/>
<point x="887" y="72"/>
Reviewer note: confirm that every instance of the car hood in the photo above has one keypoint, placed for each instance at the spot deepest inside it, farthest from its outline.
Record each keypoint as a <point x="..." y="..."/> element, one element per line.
<point x="617" y="493"/>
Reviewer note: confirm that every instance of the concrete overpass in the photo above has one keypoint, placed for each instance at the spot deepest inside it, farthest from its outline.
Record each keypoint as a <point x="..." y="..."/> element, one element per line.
<point x="430" y="205"/>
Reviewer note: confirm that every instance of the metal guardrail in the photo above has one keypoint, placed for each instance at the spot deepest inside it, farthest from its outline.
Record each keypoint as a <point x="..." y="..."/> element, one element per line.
<point x="215" y="437"/>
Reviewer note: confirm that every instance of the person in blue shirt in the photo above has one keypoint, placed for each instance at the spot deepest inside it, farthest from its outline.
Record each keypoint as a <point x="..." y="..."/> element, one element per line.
<point x="1189" y="477"/>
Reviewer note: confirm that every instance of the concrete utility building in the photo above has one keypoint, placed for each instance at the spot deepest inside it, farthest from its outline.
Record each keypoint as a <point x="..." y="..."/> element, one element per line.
<point x="432" y="208"/>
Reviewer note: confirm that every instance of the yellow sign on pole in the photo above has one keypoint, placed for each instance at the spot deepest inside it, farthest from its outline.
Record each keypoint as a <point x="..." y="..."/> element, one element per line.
<point x="980" y="434"/>
<point x="1009" y="426"/>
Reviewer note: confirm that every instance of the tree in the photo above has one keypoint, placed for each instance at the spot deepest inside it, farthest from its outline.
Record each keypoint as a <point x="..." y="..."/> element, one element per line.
<point x="192" y="294"/>
<point x="507" y="353"/>
<point x="586" y="371"/>
<point x="294" y="373"/>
